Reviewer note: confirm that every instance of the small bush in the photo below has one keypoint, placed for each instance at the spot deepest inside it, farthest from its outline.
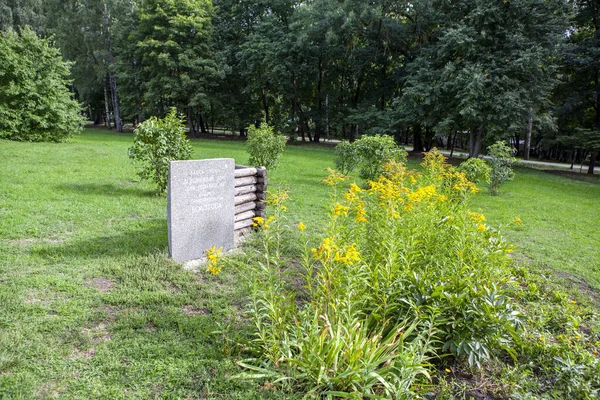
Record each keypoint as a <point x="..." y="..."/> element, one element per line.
<point x="346" y="157"/>
<point x="376" y="151"/>
<point x="501" y="161"/>
<point x="156" y="142"/>
<point x="264" y="146"/>
<point x="35" y="102"/>
<point x="476" y="170"/>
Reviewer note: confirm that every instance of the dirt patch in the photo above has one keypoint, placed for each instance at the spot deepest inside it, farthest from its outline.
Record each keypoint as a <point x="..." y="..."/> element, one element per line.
<point x="171" y="287"/>
<point x="582" y="286"/>
<point x="97" y="334"/>
<point x="476" y="387"/>
<point x="89" y="353"/>
<point x="194" y="311"/>
<point x="49" y="390"/>
<point x="26" y="242"/>
<point x="101" y="284"/>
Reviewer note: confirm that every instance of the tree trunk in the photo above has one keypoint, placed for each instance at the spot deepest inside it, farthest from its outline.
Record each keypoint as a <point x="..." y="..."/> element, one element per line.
<point x="528" y="136"/>
<point x="319" y="121"/>
<point x="201" y="123"/>
<point x="107" y="108"/>
<point x="592" y="162"/>
<point x="115" y="102"/>
<point x="475" y="141"/>
<point x="452" y="144"/>
<point x="417" y="139"/>
<point x="191" y="125"/>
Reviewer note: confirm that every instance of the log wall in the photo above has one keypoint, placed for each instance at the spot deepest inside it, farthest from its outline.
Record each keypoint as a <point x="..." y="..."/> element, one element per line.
<point x="250" y="194"/>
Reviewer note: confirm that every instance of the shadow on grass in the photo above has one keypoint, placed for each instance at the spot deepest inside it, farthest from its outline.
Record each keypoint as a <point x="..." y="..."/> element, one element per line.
<point x="146" y="237"/>
<point x="107" y="189"/>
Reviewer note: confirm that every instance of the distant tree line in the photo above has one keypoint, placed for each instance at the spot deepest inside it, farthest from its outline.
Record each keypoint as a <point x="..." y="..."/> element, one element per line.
<point x="431" y="72"/>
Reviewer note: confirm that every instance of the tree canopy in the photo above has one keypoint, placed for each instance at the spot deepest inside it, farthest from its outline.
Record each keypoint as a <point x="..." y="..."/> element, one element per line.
<point x="432" y="72"/>
<point x="35" y="103"/>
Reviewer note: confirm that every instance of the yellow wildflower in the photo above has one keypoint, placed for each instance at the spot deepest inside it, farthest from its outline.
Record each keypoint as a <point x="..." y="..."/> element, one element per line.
<point x="481" y="228"/>
<point x="334" y="177"/>
<point x="422" y="194"/>
<point x="360" y="212"/>
<point x="325" y="250"/>
<point x="258" y="221"/>
<point x="517" y="220"/>
<point x="349" y="256"/>
<point x="340" y="210"/>
<point x="479" y="218"/>
<point x="213" y="256"/>
<point x="352" y="254"/>
<point x="354" y="188"/>
<point x="278" y="197"/>
<point x="301" y="227"/>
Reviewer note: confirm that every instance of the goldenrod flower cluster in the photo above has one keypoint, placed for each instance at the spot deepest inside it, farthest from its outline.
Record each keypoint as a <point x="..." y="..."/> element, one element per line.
<point x="334" y="177"/>
<point x="340" y="210"/>
<point x="277" y="198"/>
<point x="479" y="218"/>
<point x="329" y="251"/>
<point x="422" y="194"/>
<point x="213" y="256"/>
<point x="262" y="223"/>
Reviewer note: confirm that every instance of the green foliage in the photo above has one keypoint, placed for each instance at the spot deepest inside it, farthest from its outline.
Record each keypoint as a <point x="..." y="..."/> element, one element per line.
<point x="501" y="161"/>
<point x="156" y="142"/>
<point x="376" y="151"/>
<point x="330" y="331"/>
<point x="173" y="46"/>
<point x="405" y="274"/>
<point x="346" y="157"/>
<point x="264" y="146"/>
<point x="476" y="170"/>
<point x="35" y="103"/>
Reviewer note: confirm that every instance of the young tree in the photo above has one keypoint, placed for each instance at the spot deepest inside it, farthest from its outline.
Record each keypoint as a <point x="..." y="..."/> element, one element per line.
<point x="156" y="142"/>
<point x="35" y="103"/>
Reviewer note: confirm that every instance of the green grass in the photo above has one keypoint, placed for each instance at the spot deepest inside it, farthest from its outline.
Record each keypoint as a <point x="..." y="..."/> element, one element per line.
<point x="92" y="307"/>
<point x="561" y="221"/>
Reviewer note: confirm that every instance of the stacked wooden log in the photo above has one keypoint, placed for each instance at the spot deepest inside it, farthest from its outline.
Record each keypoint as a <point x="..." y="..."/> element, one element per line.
<point x="250" y="194"/>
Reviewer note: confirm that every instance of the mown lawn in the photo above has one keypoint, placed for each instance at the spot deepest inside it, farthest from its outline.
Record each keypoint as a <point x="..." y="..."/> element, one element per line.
<point x="91" y="306"/>
<point x="561" y="220"/>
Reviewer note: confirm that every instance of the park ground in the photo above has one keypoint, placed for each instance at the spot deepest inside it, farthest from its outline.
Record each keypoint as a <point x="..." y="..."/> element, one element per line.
<point x="92" y="307"/>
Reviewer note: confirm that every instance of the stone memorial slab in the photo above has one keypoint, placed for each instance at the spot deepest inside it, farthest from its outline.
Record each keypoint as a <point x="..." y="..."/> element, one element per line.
<point x="200" y="207"/>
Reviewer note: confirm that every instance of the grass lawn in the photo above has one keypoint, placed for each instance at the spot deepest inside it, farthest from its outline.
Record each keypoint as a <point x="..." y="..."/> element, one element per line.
<point x="561" y="220"/>
<point x="91" y="306"/>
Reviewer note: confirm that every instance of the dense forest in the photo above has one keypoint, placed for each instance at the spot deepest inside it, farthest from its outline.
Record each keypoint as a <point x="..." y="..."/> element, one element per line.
<point x="431" y="73"/>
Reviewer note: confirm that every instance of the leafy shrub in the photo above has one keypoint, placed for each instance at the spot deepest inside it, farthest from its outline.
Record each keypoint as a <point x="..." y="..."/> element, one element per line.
<point x="501" y="161"/>
<point x="405" y="274"/>
<point x="35" y="103"/>
<point x="156" y="142"/>
<point x="264" y="146"/>
<point x="346" y="157"/>
<point x="476" y="170"/>
<point x="376" y="151"/>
